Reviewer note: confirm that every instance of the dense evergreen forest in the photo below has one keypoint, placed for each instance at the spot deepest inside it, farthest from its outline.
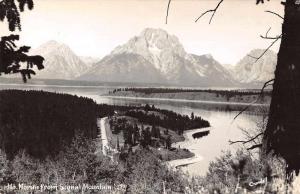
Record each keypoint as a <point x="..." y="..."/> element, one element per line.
<point x="160" y="117"/>
<point x="42" y="122"/>
<point x="171" y="120"/>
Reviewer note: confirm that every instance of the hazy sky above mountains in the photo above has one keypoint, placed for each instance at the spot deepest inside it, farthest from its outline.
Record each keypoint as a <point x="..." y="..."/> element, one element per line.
<point x="95" y="27"/>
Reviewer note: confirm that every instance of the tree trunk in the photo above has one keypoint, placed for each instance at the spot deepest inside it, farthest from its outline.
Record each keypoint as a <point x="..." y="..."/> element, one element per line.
<point x="282" y="135"/>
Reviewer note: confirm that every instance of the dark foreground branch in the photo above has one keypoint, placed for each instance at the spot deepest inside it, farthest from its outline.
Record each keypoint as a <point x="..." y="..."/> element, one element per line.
<point x="266" y="84"/>
<point x="269" y="47"/>
<point x="266" y="36"/>
<point x="246" y="141"/>
<point x="271" y="37"/>
<point x="253" y="57"/>
<point x="255" y="146"/>
<point x="168" y="9"/>
<point x="213" y="11"/>
<point x="274" y="13"/>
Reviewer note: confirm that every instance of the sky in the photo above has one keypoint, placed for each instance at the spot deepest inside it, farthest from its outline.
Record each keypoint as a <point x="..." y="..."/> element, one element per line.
<point x="95" y="27"/>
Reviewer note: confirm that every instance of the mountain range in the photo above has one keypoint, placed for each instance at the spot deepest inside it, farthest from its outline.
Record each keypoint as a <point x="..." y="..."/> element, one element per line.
<point x="154" y="56"/>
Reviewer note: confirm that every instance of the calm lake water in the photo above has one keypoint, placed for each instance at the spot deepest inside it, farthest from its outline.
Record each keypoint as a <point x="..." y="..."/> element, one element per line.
<point x="207" y="148"/>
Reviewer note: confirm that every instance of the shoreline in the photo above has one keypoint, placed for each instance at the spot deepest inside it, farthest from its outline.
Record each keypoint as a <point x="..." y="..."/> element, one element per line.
<point x="172" y="163"/>
<point x="184" y="162"/>
<point x="185" y="100"/>
<point x="54" y="86"/>
<point x="187" y="139"/>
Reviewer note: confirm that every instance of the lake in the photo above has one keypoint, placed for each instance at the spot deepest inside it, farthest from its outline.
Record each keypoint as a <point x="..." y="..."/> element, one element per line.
<point x="206" y="148"/>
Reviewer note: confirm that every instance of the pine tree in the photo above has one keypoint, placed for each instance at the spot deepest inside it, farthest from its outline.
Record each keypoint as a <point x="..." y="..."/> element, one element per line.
<point x="11" y="12"/>
<point x="118" y="144"/>
<point x="153" y="131"/>
<point x="168" y="142"/>
<point x="147" y="107"/>
<point x="192" y="116"/>
<point x="136" y="135"/>
<point x="12" y="58"/>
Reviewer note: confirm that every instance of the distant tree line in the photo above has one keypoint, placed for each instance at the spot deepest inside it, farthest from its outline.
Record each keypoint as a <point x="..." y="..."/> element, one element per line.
<point x="227" y="93"/>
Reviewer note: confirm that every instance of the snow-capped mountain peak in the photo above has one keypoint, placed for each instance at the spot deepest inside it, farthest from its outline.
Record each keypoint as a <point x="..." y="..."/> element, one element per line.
<point x="163" y="57"/>
<point x="151" y="39"/>
<point x="156" y="45"/>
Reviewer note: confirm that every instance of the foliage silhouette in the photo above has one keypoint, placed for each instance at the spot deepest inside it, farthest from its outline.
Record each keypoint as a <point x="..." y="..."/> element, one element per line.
<point x="11" y="12"/>
<point x="13" y="58"/>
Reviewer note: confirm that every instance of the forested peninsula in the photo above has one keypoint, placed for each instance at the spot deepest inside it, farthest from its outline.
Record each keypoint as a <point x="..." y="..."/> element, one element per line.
<point x="224" y="96"/>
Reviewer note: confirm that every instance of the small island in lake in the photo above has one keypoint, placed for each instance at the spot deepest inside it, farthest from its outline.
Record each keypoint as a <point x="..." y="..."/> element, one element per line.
<point x="200" y="134"/>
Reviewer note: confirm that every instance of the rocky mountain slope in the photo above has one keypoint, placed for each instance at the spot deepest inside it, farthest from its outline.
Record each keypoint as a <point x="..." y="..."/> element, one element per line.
<point x="158" y="57"/>
<point x="248" y="70"/>
<point x="60" y="61"/>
